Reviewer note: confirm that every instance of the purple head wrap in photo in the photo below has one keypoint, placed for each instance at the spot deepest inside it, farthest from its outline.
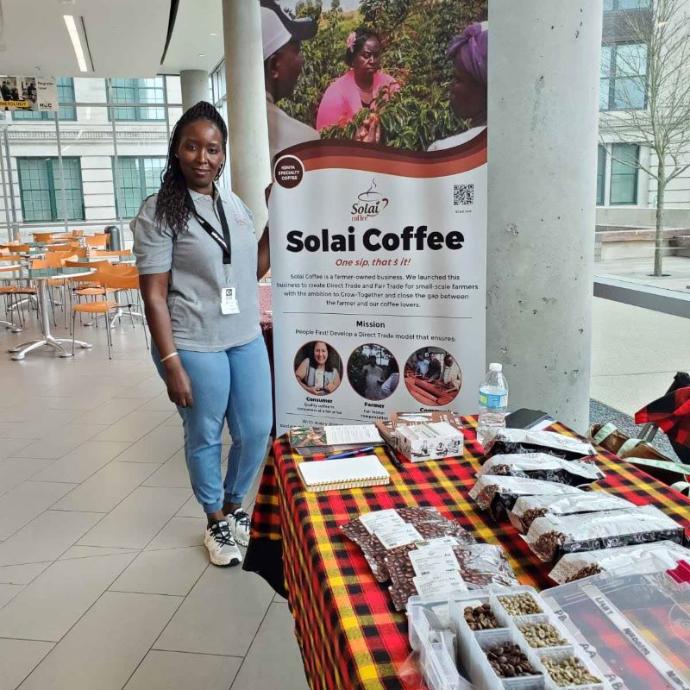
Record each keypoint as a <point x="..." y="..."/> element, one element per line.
<point x="471" y="46"/>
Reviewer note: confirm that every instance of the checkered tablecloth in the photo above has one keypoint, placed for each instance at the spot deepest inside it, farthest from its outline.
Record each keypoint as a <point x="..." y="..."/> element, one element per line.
<point x="349" y="635"/>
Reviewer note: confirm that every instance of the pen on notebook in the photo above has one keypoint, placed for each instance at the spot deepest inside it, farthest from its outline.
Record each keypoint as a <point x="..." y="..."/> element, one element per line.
<point x="351" y="453"/>
<point x="390" y="454"/>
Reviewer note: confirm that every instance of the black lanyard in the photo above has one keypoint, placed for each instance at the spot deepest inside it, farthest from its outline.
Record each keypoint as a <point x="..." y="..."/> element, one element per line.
<point x="224" y="241"/>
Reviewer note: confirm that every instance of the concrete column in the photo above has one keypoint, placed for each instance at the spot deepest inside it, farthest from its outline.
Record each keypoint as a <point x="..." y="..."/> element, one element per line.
<point x="194" y="85"/>
<point x="248" y="129"/>
<point x="543" y="115"/>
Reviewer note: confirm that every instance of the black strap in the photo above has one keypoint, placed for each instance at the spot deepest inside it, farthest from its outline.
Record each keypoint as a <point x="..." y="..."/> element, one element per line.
<point x="224" y="241"/>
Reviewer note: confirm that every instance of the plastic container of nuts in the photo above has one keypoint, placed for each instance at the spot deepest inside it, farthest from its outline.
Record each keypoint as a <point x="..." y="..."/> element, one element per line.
<point x="567" y="670"/>
<point x="499" y="660"/>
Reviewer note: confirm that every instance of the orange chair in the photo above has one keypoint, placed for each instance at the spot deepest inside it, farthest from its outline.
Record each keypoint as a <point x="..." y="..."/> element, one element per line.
<point x="15" y="296"/>
<point x="18" y="248"/>
<point x="113" y="283"/>
<point x="42" y="236"/>
<point x="96" y="241"/>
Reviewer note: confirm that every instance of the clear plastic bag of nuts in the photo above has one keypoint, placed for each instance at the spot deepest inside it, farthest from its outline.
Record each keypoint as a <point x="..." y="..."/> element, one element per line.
<point x="427" y="522"/>
<point x="479" y="565"/>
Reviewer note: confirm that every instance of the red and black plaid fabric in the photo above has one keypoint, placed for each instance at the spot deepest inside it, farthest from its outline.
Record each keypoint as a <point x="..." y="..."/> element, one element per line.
<point x="671" y="414"/>
<point x="348" y="632"/>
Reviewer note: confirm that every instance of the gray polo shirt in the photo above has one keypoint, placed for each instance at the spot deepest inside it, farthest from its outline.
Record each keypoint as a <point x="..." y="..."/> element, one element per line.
<point x="197" y="273"/>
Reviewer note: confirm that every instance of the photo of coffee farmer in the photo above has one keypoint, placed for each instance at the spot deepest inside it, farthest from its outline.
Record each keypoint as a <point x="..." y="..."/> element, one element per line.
<point x="382" y="71"/>
<point x="373" y="372"/>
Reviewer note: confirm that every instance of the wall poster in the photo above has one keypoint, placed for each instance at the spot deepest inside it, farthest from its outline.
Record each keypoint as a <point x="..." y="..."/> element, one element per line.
<point x="28" y="93"/>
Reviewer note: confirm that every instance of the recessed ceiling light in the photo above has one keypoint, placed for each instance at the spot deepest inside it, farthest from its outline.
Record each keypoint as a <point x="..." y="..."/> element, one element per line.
<point x="213" y="33"/>
<point x="76" y="41"/>
<point x="202" y="54"/>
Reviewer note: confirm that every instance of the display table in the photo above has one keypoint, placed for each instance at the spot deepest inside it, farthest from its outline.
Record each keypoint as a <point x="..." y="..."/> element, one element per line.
<point x="349" y="635"/>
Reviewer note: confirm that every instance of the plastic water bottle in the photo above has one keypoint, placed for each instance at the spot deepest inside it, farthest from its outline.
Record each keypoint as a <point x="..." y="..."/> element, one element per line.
<point x="493" y="403"/>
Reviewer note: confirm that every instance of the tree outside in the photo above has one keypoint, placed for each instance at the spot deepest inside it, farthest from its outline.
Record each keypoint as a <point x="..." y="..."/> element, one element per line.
<point x="652" y="98"/>
<point x="416" y="34"/>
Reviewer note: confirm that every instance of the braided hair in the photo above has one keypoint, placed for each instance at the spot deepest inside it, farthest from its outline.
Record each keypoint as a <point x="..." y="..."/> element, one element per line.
<point x="171" y="209"/>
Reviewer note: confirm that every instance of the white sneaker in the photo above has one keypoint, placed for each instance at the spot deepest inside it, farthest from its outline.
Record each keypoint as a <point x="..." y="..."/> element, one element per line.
<point x="222" y="549"/>
<point x="240" y="525"/>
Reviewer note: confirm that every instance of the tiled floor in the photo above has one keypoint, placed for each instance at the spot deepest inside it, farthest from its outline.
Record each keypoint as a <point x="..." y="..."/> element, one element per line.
<point x="103" y="580"/>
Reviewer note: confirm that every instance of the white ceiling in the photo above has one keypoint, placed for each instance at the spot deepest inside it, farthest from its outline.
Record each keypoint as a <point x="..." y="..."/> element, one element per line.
<point x="126" y="37"/>
<point x="192" y="46"/>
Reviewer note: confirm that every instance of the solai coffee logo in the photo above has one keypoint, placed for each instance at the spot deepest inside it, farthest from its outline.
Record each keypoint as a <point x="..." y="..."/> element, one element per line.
<point x="369" y="203"/>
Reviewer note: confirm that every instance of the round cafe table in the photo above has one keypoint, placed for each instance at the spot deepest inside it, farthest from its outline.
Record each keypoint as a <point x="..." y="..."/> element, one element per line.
<point x="40" y="277"/>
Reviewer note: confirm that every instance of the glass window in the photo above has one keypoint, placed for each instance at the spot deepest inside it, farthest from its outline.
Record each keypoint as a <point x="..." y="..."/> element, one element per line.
<point x="601" y="174"/>
<point x="136" y="177"/>
<point x="623" y="76"/>
<point x="137" y="94"/>
<point x="41" y="189"/>
<point x="612" y="5"/>
<point x="66" y="111"/>
<point x="624" y="161"/>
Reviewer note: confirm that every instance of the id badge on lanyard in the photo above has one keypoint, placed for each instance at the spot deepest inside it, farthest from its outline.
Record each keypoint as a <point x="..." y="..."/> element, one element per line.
<point x="228" y="301"/>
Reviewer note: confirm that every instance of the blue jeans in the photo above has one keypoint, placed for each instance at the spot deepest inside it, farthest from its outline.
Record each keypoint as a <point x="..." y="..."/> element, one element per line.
<point x="232" y="385"/>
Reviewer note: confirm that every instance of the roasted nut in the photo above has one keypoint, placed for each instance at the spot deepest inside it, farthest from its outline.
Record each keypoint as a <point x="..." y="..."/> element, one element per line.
<point x="480" y="617"/>
<point x="509" y="661"/>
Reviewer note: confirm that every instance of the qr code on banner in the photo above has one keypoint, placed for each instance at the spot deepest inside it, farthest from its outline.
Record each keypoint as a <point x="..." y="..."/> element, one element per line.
<point x="463" y="194"/>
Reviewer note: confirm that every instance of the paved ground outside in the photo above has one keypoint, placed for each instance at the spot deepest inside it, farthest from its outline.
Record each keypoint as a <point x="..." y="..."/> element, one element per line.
<point x="638" y="270"/>
<point x="635" y="354"/>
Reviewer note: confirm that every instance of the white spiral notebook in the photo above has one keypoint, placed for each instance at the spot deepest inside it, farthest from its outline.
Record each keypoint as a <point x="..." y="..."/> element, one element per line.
<point x="343" y="473"/>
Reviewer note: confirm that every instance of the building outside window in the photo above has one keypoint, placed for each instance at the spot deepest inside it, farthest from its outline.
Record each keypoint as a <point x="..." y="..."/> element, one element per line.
<point x="41" y="191"/>
<point x="622" y="5"/>
<point x="140" y="92"/>
<point x="136" y="177"/>
<point x="67" y="110"/>
<point x="623" y="76"/>
<point x="601" y="174"/>
<point x="624" y="159"/>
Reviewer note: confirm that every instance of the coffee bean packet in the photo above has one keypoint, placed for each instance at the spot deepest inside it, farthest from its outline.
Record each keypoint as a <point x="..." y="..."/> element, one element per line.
<point x="479" y="566"/>
<point x="528" y="508"/>
<point x="498" y="493"/>
<point x="508" y="441"/>
<point x="552" y="536"/>
<point x="542" y="466"/>
<point x="640" y="559"/>
<point x="398" y="530"/>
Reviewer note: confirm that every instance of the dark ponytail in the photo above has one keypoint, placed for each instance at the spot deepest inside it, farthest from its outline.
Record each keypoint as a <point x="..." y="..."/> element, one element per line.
<point x="171" y="209"/>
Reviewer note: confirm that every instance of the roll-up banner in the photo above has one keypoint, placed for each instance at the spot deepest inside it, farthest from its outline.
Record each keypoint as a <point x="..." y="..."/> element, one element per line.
<point x="377" y="215"/>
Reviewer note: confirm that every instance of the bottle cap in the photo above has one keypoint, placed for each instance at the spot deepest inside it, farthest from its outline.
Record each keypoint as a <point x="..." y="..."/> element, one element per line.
<point x="495" y="366"/>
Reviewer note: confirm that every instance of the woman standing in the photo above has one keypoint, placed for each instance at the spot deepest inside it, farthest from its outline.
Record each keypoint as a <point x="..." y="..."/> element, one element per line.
<point x="197" y="257"/>
<point x="316" y="373"/>
<point x="360" y="85"/>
